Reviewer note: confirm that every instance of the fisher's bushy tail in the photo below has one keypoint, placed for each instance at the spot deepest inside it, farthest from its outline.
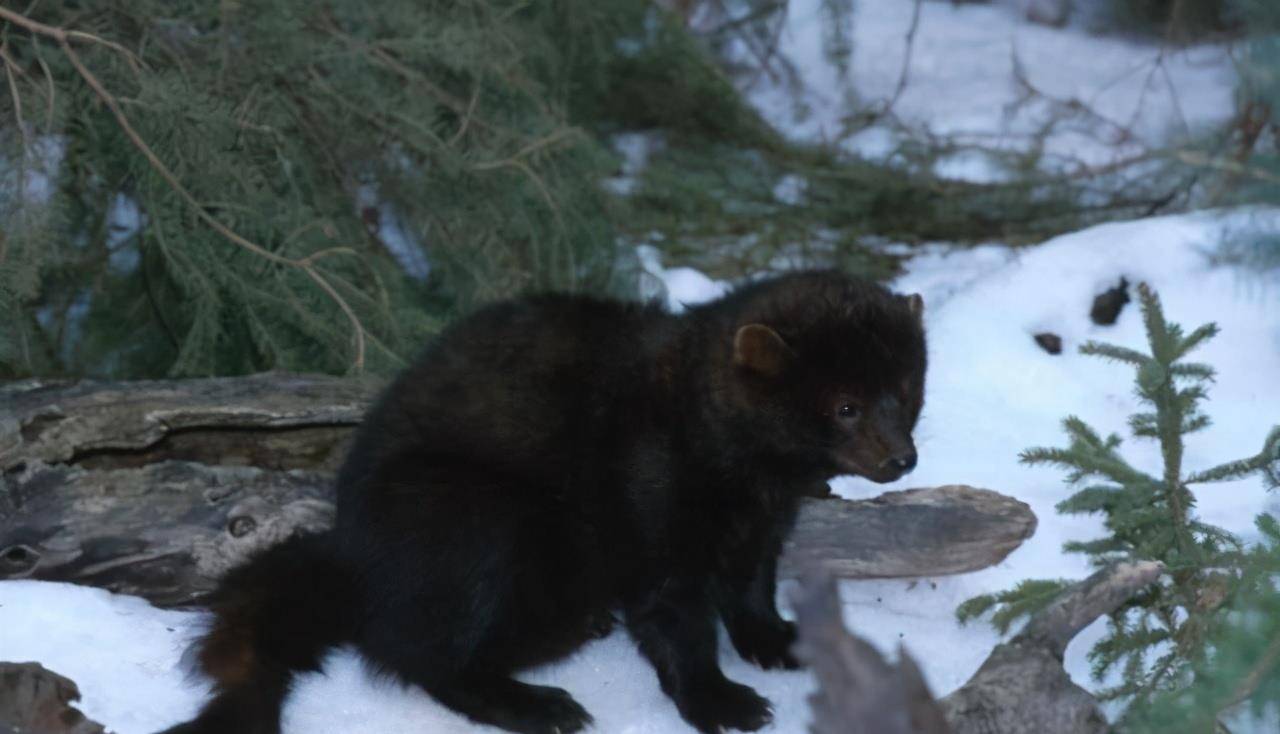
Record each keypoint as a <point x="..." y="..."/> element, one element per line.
<point x="274" y="616"/>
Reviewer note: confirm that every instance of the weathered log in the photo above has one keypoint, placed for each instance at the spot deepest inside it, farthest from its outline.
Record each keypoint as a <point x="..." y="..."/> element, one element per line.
<point x="270" y="420"/>
<point x="164" y="531"/>
<point x="35" y="700"/>
<point x="858" y="692"/>
<point x="914" y="532"/>
<point x="1021" y="688"/>
<point x="156" y="488"/>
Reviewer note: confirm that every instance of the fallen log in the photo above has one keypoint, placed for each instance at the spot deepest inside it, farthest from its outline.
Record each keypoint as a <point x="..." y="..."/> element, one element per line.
<point x="914" y="532"/>
<point x="858" y="691"/>
<point x="270" y="420"/>
<point x="1021" y="688"/>
<point x="35" y="700"/>
<point x="156" y="488"/>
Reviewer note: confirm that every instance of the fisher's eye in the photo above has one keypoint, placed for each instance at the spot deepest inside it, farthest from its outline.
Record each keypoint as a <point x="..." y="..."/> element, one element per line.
<point x="848" y="411"/>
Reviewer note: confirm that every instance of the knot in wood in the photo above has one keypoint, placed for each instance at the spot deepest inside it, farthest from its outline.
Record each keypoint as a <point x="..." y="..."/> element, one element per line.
<point x="241" y="526"/>
<point x="18" y="559"/>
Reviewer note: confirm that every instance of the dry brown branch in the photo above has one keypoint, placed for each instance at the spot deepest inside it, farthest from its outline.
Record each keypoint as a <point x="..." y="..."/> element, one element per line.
<point x="64" y="38"/>
<point x="741" y="28"/>
<point x="1065" y="108"/>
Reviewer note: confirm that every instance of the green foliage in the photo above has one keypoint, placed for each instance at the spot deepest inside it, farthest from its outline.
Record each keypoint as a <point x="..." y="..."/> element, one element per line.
<point x="1177" y="19"/>
<point x="316" y="132"/>
<point x="1165" y="639"/>
<point x="286" y="160"/>
<point x="1023" y="600"/>
<point x="1242" y="665"/>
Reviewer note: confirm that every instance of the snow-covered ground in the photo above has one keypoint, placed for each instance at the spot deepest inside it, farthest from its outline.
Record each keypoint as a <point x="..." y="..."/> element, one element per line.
<point x="992" y="392"/>
<point x="961" y="83"/>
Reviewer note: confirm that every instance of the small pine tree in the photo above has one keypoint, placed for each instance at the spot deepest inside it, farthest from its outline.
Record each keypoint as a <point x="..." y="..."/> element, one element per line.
<point x="1163" y="636"/>
<point x="1241" y="664"/>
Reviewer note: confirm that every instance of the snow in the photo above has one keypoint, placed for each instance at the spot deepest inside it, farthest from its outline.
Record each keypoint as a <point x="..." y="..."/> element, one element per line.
<point x="126" y="658"/>
<point x="634" y="150"/>
<point x="384" y="223"/>
<point x="991" y="393"/>
<point x="121" y="651"/>
<point x="961" y="83"/>
<point x="124" y="220"/>
<point x="680" y="286"/>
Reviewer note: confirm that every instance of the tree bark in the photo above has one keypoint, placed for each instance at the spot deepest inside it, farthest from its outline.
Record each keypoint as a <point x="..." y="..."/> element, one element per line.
<point x="858" y="692"/>
<point x="156" y="488"/>
<point x="35" y="700"/>
<point x="1021" y="688"/>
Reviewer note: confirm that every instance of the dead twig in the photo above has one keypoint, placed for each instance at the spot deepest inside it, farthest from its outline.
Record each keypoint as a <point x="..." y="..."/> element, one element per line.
<point x="1196" y="158"/>
<point x="905" y="74"/>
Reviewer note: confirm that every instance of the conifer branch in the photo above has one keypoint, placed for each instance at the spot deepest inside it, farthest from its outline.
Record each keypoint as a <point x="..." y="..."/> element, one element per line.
<point x="52" y="97"/>
<point x="1194" y="339"/>
<point x="306" y="265"/>
<point x="1266" y="461"/>
<point x="1170" y="408"/>
<point x="9" y="66"/>
<point x="466" y="118"/>
<point x="389" y="61"/>
<point x="544" y="142"/>
<point x="1113" y="352"/>
<point x="1193" y="370"/>
<point x="1206" y="567"/>
<point x="63" y="35"/>
<point x="1265" y="664"/>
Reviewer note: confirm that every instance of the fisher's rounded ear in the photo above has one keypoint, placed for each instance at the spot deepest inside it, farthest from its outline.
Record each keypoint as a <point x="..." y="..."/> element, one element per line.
<point x="915" y="304"/>
<point x="758" y="348"/>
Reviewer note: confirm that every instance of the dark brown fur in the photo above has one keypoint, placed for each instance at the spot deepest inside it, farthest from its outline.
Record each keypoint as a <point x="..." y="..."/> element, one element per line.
<point x="553" y="461"/>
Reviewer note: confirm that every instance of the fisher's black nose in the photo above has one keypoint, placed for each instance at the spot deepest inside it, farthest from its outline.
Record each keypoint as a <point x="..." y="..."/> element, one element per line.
<point x="904" y="463"/>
